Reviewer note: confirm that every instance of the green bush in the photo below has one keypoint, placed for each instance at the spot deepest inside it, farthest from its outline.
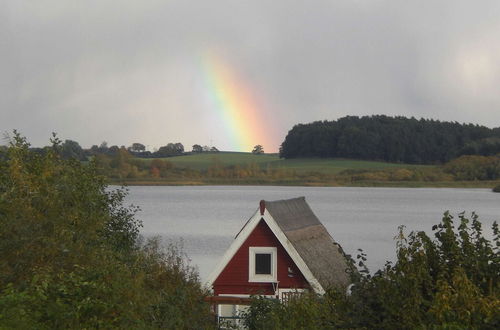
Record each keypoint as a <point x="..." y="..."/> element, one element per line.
<point x="70" y="255"/>
<point x="474" y="168"/>
<point x="449" y="282"/>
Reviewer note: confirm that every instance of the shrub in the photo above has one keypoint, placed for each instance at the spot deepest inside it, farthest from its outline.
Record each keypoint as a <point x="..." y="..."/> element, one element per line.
<point x="449" y="282"/>
<point x="474" y="167"/>
<point x="70" y="253"/>
<point x="401" y="174"/>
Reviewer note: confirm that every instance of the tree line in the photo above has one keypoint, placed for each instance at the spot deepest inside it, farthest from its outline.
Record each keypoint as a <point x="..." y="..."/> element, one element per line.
<point x="72" y="149"/>
<point x="120" y="164"/>
<point x="391" y="139"/>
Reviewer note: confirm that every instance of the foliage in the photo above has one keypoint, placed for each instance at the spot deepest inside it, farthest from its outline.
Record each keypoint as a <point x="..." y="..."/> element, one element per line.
<point x="71" y="256"/>
<point x="306" y="312"/>
<point x="197" y="148"/>
<point x="484" y="147"/>
<point x="137" y="147"/>
<point x="257" y="150"/>
<point x="394" y="174"/>
<point x="474" y="168"/>
<point x="119" y="164"/>
<point x="71" y="149"/>
<point x="171" y="149"/>
<point x="392" y="139"/>
<point x="449" y="282"/>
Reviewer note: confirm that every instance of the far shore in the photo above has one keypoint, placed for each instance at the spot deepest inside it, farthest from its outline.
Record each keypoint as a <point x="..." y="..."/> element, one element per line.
<point x="256" y="182"/>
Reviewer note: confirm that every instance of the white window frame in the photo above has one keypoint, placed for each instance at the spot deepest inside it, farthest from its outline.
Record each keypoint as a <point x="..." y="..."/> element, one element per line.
<point x="262" y="278"/>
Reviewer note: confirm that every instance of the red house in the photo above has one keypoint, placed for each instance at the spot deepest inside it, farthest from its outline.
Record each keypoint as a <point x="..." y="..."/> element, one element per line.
<point x="281" y="250"/>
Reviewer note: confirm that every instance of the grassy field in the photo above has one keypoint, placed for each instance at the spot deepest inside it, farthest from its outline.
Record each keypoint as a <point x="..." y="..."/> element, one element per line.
<point x="326" y="166"/>
<point x="334" y="166"/>
<point x="203" y="161"/>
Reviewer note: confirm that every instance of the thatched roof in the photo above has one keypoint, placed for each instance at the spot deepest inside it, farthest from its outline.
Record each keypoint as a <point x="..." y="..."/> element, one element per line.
<point x="322" y="255"/>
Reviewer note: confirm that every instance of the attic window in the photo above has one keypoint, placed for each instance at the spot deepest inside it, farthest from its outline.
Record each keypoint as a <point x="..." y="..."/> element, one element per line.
<point x="262" y="264"/>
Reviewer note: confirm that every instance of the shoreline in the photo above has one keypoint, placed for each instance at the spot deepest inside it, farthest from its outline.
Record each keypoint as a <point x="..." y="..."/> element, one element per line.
<point x="299" y="183"/>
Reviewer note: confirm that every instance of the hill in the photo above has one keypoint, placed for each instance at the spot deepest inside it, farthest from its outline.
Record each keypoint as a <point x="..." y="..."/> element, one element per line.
<point x="202" y="161"/>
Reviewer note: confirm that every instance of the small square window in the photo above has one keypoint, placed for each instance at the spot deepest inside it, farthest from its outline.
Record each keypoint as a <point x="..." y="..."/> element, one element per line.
<point x="263" y="263"/>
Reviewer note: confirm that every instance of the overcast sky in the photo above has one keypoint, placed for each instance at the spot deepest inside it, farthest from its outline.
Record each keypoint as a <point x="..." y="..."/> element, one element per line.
<point x="129" y="71"/>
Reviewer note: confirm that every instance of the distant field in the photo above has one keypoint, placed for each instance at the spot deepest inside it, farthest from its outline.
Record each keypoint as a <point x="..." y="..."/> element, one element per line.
<point x="333" y="166"/>
<point x="330" y="166"/>
<point x="203" y="161"/>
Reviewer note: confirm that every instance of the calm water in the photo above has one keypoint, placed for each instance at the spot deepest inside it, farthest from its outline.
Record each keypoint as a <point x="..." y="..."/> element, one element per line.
<point x="207" y="218"/>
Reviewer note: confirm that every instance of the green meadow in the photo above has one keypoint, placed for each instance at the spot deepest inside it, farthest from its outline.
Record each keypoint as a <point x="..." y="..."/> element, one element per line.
<point x="334" y="166"/>
<point x="203" y="161"/>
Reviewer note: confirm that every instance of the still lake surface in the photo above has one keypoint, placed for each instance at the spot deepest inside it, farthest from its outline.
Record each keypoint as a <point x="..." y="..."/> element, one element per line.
<point x="206" y="218"/>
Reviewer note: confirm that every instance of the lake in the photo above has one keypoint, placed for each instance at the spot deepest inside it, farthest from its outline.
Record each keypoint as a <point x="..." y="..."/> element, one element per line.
<point x="206" y="218"/>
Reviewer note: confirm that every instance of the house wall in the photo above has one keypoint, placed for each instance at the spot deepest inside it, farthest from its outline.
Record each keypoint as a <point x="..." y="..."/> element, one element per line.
<point x="234" y="278"/>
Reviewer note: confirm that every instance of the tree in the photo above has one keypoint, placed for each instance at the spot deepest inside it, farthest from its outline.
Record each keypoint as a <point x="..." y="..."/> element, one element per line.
<point x="179" y="148"/>
<point x="160" y="167"/>
<point x="121" y="162"/>
<point x="197" y="148"/>
<point x="94" y="150"/>
<point x="103" y="147"/>
<point x="113" y="150"/>
<point x="71" y="257"/>
<point x="71" y="149"/>
<point x="171" y="149"/>
<point x="137" y="147"/>
<point x="257" y="150"/>
<point x="3" y="152"/>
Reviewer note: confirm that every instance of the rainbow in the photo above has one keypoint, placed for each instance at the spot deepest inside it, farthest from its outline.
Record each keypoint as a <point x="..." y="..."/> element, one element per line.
<point x="246" y="122"/>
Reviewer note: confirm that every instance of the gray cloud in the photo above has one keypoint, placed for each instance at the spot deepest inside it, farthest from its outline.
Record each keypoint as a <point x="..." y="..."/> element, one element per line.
<point x="130" y="71"/>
